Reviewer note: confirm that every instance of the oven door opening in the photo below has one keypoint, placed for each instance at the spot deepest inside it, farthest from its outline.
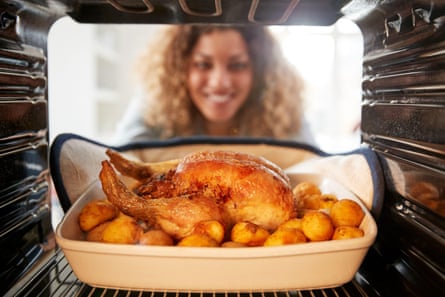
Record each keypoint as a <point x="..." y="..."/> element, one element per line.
<point x="99" y="81"/>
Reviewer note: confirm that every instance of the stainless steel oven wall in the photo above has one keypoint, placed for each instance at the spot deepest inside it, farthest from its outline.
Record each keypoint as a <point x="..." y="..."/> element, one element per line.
<point x="403" y="119"/>
<point x="25" y="220"/>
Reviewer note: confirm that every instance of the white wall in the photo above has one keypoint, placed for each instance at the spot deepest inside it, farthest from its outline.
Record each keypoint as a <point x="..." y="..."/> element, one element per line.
<point x="91" y="75"/>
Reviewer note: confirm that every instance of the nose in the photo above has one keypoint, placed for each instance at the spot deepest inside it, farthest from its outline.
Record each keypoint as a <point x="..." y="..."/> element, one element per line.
<point x="220" y="78"/>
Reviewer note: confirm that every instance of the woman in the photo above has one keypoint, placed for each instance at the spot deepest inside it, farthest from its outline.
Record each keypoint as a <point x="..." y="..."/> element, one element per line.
<point x="216" y="80"/>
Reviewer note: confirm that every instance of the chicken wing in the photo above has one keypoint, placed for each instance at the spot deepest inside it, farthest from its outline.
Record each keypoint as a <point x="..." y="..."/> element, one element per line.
<point x="177" y="216"/>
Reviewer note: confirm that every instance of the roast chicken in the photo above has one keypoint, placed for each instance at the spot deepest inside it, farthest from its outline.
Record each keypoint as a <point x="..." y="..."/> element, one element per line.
<point x="175" y="195"/>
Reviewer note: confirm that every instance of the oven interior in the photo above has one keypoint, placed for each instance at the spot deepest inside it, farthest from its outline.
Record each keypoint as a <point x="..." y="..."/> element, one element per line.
<point x="402" y="120"/>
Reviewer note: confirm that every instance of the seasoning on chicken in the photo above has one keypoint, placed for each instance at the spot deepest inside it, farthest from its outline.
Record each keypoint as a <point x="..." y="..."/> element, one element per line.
<point x="225" y="186"/>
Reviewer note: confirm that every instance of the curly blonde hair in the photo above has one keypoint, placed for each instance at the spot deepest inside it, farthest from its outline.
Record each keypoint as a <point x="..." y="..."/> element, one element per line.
<point x="273" y="108"/>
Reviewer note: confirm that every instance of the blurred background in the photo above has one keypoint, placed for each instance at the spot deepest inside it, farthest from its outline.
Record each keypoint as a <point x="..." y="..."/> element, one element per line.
<point x="92" y="77"/>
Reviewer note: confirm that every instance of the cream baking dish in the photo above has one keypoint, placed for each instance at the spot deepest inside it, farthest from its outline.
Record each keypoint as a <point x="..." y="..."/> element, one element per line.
<point x="299" y="266"/>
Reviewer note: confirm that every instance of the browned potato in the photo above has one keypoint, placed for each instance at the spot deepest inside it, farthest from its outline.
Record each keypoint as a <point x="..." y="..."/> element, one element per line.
<point x="327" y="201"/>
<point x="302" y="212"/>
<point x="346" y="212"/>
<point x="317" y="226"/>
<point x="123" y="229"/>
<point x="232" y="244"/>
<point x="312" y="202"/>
<point x="306" y="189"/>
<point x="212" y="228"/>
<point x="319" y="201"/>
<point x="155" y="237"/>
<point x="198" y="240"/>
<point x="96" y="234"/>
<point x="96" y="212"/>
<point x="249" y="234"/>
<point x="284" y="236"/>
<point x="347" y="232"/>
<point x="294" y="223"/>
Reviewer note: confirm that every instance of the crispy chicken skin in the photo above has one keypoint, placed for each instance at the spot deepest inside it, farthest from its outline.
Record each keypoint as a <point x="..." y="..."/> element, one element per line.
<point x="226" y="186"/>
<point x="249" y="188"/>
<point x="177" y="215"/>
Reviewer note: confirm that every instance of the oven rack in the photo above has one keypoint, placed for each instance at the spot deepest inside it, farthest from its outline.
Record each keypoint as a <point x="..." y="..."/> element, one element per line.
<point x="57" y="279"/>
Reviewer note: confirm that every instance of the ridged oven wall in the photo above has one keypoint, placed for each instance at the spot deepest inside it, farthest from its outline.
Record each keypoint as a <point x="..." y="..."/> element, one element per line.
<point x="403" y="120"/>
<point x="25" y="220"/>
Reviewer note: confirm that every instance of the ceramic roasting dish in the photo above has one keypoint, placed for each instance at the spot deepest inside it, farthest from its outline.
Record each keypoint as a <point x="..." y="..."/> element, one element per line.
<point x="299" y="266"/>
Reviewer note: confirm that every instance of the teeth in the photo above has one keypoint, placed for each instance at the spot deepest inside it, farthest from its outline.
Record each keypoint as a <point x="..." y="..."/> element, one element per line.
<point x="219" y="99"/>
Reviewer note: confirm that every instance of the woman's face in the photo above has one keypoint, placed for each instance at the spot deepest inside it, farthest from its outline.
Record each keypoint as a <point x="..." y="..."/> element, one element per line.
<point x="220" y="74"/>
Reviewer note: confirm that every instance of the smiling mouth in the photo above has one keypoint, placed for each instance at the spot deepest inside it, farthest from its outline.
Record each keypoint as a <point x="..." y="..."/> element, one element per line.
<point x="219" y="99"/>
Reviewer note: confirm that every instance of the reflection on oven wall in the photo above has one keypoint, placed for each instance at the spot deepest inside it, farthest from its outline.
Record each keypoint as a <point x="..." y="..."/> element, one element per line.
<point x="92" y="80"/>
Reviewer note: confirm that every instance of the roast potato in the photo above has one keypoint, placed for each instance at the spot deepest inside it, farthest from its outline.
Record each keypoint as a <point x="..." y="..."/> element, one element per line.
<point x="156" y="237"/>
<point x="347" y="232"/>
<point x="95" y="213"/>
<point x="294" y="223"/>
<point x="318" y="201"/>
<point x="317" y="226"/>
<point x="211" y="228"/>
<point x="123" y="229"/>
<point x="312" y="202"/>
<point x="284" y="236"/>
<point x="96" y="234"/>
<point x="198" y="240"/>
<point x="232" y="244"/>
<point x="249" y="234"/>
<point x="327" y="201"/>
<point x="346" y="212"/>
<point x="306" y="189"/>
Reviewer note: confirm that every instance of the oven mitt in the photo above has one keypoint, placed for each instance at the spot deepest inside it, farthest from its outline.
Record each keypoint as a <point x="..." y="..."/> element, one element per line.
<point x="75" y="162"/>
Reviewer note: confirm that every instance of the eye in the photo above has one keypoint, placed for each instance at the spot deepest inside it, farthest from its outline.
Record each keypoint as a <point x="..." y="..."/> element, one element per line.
<point x="238" y="66"/>
<point x="202" y="65"/>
